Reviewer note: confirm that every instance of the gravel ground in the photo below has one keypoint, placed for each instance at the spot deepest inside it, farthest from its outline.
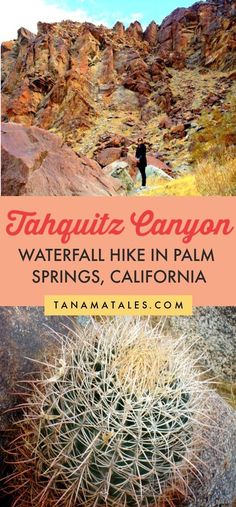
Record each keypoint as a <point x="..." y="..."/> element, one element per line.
<point x="218" y="483"/>
<point x="216" y="329"/>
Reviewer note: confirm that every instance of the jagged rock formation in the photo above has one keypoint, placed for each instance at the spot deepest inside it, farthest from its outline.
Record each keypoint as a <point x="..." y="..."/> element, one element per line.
<point x="203" y="34"/>
<point x="57" y="77"/>
<point x="151" y="34"/>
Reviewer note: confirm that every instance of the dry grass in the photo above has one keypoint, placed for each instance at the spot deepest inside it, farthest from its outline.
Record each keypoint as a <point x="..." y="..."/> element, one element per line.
<point x="217" y="136"/>
<point x="228" y="391"/>
<point x="183" y="186"/>
<point x="212" y="176"/>
<point x="215" y="178"/>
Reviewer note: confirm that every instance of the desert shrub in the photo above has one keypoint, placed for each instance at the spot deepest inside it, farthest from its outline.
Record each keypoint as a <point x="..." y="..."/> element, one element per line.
<point x="213" y="178"/>
<point x="217" y="137"/>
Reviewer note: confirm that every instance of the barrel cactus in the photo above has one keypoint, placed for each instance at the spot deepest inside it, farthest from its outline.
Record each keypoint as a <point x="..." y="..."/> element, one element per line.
<point x="114" y="421"/>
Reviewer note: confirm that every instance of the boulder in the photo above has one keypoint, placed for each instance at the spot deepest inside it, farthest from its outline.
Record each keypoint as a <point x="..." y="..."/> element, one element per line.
<point x="121" y="170"/>
<point x="178" y="131"/>
<point x="138" y="80"/>
<point x="107" y="156"/>
<point x="156" y="172"/>
<point x="152" y="160"/>
<point x="111" y="147"/>
<point x="112" y="140"/>
<point x="165" y="122"/>
<point x="159" y="71"/>
<point x="188" y="115"/>
<point x="163" y="98"/>
<point x="37" y="162"/>
<point x="132" y="162"/>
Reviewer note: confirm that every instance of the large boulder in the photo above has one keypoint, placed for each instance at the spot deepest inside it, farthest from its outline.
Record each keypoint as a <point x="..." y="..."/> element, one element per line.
<point x="108" y="155"/>
<point x="158" y="164"/>
<point x="120" y="169"/>
<point x="111" y="147"/>
<point x="151" y="170"/>
<point x="37" y="162"/>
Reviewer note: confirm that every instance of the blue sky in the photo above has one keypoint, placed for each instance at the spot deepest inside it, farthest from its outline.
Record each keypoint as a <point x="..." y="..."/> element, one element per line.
<point x="26" y="13"/>
<point x="125" y="10"/>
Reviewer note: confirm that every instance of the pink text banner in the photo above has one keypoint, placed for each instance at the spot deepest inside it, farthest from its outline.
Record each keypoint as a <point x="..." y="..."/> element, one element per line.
<point x="118" y="245"/>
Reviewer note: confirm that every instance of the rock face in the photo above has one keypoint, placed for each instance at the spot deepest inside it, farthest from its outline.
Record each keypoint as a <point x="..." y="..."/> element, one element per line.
<point x="36" y="162"/>
<point x="153" y="161"/>
<point x="151" y="170"/>
<point x="55" y="79"/>
<point x="151" y="34"/>
<point x="203" y="34"/>
<point x="121" y="170"/>
<point x="108" y="155"/>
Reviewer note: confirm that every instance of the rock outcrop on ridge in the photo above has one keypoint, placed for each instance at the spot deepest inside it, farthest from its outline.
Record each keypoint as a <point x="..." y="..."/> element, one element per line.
<point x="57" y="77"/>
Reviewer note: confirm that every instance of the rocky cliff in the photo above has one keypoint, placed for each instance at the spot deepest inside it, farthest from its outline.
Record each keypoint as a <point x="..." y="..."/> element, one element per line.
<point x="84" y="81"/>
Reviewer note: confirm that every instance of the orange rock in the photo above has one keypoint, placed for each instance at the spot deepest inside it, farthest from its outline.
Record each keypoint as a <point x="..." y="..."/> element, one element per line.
<point x="36" y="162"/>
<point x="107" y="156"/>
<point x="151" y="33"/>
<point x="165" y="123"/>
<point x="135" y="31"/>
<point x="66" y="74"/>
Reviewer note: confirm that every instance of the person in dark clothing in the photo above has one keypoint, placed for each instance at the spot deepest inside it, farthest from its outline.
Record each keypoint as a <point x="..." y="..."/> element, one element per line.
<point x="142" y="160"/>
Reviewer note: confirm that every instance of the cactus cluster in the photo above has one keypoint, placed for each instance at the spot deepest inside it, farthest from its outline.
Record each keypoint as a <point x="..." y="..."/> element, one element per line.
<point x="112" y="422"/>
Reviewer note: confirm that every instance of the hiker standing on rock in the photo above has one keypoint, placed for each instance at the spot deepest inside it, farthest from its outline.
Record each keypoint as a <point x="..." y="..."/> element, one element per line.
<point x="142" y="160"/>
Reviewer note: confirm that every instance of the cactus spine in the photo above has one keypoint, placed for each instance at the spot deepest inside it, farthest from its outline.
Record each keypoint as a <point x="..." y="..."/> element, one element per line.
<point x="112" y="423"/>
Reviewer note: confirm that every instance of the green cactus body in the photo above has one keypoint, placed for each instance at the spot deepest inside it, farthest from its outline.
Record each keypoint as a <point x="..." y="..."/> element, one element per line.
<point x="113" y="422"/>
